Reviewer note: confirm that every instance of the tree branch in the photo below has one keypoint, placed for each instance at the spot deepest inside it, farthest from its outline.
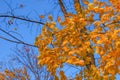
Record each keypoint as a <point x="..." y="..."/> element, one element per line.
<point x="92" y="62"/>
<point x="18" y="42"/>
<point x="62" y="7"/>
<point x="20" y="18"/>
<point x="10" y="35"/>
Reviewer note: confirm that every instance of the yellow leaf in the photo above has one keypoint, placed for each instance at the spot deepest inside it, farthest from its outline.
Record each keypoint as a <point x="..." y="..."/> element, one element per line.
<point x="86" y="2"/>
<point x="90" y="6"/>
<point x="64" y="42"/>
<point x="58" y="19"/>
<point x="80" y="62"/>
<point x="56" y="78"/>
<point x="50" y="18"/>
<point x="41" y="16"/>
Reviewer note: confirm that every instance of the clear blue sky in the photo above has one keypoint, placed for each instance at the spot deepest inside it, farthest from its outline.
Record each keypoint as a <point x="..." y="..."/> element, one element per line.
<point x="32" y="9"/>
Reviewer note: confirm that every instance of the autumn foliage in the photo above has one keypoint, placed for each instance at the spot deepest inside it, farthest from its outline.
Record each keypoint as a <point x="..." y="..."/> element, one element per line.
<point x="93" y="29"/>
<point x="17" y="74"/>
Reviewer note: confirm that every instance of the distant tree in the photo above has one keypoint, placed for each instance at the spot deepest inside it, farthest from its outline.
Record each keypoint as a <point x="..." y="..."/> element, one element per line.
<point x="26" y="59"/>
<point x="16" y="74"/>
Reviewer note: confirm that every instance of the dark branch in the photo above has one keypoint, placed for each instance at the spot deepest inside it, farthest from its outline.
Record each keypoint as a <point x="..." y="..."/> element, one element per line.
<point x="20" y="18"/>
<point x="62" y="7"/>
<point x="10" y="35"/>
<point x="18" y="42"/>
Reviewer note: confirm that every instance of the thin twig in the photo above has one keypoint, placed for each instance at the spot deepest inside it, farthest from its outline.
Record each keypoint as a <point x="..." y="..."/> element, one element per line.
<point x="10" y="35"/>
<point x="18" y="42"/>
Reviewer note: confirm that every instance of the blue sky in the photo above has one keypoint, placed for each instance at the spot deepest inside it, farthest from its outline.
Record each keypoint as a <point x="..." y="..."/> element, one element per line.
<point x="31" y="8"/>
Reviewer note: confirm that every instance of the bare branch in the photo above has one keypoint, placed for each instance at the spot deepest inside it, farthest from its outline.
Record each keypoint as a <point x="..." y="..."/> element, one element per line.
<point x="20" y="18"/>
<point x="29" y="60"/>
<point x="10" y="35"/>
<point x="18" y="42"/>
<point x="62" y="7"/>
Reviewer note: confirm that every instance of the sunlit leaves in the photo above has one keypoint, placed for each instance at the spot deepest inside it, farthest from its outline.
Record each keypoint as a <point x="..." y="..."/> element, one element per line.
<point x="62" y="75"/>
<point x="116" y="4"/>
<point x="75" y="61"/>
<point x="18" y="74"/>
<point x="90" y="6"/>
<point x="75" y="44"/>
<point x="105" y="17"/>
